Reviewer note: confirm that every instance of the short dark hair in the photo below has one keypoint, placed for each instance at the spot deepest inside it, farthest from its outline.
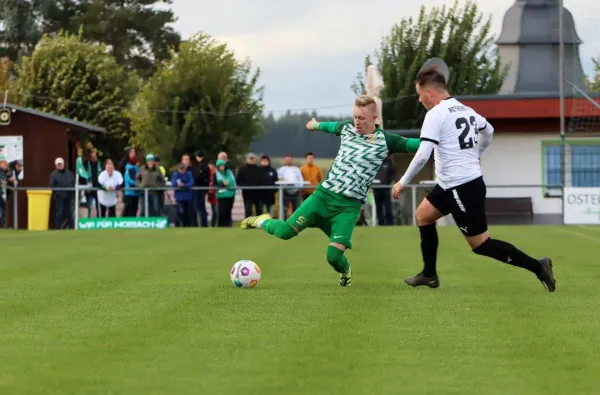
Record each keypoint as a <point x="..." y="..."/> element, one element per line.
<point x="431" y="77"/>
<point x="309" y="154"/>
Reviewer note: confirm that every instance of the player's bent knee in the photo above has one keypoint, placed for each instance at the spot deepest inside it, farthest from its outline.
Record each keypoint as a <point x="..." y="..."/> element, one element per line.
<point x="426" y="214"/>
<point x="285" y="231"/>
<point x="476" y="241"/>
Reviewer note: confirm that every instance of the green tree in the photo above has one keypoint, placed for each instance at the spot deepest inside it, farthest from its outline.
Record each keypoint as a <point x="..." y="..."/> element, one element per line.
<point x="202" y="98"/>
<point x="71" y="77"/>
<point x="593" y="84"/>
<point x="459" y="34"/>
<point x="19" y="30"/>
<point x="139" y="33"/>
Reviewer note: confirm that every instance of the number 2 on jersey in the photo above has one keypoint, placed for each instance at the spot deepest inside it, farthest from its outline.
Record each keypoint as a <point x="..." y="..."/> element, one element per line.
<point x="462" y="123"/>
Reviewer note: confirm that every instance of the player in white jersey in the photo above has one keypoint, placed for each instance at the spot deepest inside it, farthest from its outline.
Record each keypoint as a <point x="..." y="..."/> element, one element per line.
<point x="458" y="136"/>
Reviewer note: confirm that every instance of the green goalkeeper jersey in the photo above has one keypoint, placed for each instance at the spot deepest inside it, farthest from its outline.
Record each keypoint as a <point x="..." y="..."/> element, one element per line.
<point x="360" y="157"/>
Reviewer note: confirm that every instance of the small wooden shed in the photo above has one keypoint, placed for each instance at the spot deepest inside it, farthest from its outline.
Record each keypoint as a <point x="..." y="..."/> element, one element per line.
<point x="34" y="139"/>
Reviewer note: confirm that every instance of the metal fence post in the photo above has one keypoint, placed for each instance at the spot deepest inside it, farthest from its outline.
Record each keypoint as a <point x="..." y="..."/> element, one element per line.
<point x="16" y="209"/>
<point x="281" y="213"/>
<point x="76" y="216"/>
<point x="146" y="202"/>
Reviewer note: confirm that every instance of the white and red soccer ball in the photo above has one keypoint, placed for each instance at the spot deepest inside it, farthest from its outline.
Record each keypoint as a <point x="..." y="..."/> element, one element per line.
<point x="245" y="274"/>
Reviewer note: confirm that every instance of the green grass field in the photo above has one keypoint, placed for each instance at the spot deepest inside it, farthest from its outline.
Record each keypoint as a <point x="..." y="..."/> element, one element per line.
<point x="154" y="312"/>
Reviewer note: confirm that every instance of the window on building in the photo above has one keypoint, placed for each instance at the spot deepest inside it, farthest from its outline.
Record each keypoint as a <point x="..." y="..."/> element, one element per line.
<point x="585" y="165"/>
<point x="582" y="165"/>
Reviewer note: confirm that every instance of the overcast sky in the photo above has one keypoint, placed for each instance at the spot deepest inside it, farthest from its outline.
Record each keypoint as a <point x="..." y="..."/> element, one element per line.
<point x="309" y="51"/>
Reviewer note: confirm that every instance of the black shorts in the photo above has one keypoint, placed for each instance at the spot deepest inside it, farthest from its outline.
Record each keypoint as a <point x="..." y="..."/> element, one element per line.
<point x="465" y="202"/>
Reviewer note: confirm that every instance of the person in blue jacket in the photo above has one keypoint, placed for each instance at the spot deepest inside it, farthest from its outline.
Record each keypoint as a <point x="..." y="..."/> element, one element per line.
<point x="131" y="197"/>
<point x="183" y="180"/>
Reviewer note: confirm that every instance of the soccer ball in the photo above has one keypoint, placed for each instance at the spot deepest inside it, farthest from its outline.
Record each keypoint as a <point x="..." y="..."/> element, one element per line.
<point x="245" y="274"/>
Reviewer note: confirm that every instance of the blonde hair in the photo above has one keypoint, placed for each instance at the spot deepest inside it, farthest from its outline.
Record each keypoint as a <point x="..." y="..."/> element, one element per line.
<point x="365" y="101"/>
<point x="3" y="162"/>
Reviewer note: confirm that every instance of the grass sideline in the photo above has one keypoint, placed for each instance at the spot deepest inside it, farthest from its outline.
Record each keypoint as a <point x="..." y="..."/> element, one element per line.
<point x="159" y="315"/>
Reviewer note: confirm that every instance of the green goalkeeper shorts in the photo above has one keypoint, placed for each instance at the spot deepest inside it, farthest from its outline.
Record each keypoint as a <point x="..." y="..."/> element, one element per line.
<point x="335" y="214"/>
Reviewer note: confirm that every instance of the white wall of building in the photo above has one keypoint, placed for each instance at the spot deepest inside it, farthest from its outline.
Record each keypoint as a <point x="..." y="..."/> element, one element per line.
<point x="516" y="159"/>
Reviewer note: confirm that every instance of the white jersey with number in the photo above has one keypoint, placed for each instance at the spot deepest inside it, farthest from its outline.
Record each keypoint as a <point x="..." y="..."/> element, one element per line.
<point x="453" y="128"/>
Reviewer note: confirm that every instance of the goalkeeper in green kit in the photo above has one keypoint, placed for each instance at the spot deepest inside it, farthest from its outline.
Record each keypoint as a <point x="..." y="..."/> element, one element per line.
<point x="335" y="205"/>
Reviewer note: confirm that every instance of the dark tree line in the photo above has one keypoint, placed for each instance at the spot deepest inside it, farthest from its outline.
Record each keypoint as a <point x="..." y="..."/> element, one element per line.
<point x="288" y="136"/>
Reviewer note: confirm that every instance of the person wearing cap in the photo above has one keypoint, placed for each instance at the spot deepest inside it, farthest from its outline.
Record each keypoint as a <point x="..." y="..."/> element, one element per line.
<point x="201" y="180"/>
<point x="184" y="181"/>
<point x="251" y="175"/>
<point x="224" y="182"/>
<point x="150" y="178"/>
<point x="64" y="199"/>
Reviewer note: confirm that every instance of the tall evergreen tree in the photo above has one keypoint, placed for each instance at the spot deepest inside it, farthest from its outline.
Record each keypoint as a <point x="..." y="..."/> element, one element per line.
<point x="459" y="34"/>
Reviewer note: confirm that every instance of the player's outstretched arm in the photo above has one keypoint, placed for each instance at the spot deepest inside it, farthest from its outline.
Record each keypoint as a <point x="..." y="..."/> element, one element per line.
<point x="416" y="165"/>
<point x="327" y="127"/>
<point x="399" y="144"/>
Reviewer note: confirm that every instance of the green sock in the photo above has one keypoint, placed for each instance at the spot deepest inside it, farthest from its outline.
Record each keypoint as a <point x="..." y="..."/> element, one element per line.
<point x="279" y="229"/>
<point x="337" y="260"/>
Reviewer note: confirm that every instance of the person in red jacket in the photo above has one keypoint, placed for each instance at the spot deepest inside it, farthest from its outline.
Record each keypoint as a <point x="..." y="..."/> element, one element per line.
<point x="211" y="196"/>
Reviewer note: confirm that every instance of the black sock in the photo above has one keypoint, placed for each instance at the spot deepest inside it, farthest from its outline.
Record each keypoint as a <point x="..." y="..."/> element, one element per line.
<point x="429" y="247"/>
<point x="508" y="253"/>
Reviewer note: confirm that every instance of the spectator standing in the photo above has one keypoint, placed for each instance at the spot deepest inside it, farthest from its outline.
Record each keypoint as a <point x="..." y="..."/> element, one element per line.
<point x="211" y="196"/>
<point x="130" y="158"/>
<point x="186" y="160"/>
<point x="64" y="199"/>
<point x="12" y="173"/>
<point x="162" y="169"/>
<point x="131" y="196"/>
<point x="93" y="169"/>
<point x="311" y="173"/>
<point x="184" y="181"/>
<point x="4" y="177"/>
<point x="383" y="195"/>
<point x="292" y="177"/>
<point x="269" y="179"/>
<point x="201" y="180"/>
<point x="250" y="175"/>
<point x="224" y="181"/>
<point x="110" y="181"/>
<point x="150" y="178"/>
